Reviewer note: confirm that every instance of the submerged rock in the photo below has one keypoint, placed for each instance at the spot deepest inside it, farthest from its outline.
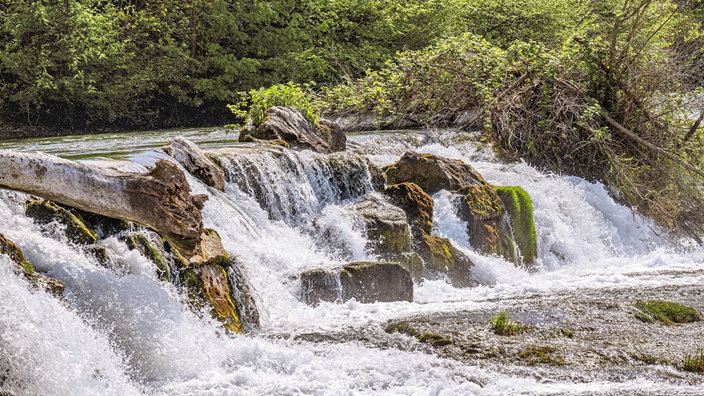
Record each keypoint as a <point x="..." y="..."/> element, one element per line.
<point x="387" y="225"/>
<point x="289" y="124"/>
<point x="433" y="173"/>
<point x="367" y="282"/>
<point x="26" y="269"/>
<point x="196" y="163"/>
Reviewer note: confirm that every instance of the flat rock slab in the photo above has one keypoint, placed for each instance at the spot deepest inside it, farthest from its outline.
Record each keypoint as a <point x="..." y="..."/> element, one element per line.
<point x="366" y="282"/>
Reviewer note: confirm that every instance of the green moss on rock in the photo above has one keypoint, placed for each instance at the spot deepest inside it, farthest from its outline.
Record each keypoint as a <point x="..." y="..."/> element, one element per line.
<point x="694" y="363"/>
<point x="45" y="212"/>
<point x="149" y="248"/>
<point x="209" y="284"/>
<point x="666" y="312"/>
<point x="535" y="355"/>
<point x="441" y="257"/>
<point x="417" y="204"/>
<point x="519" y="207"/>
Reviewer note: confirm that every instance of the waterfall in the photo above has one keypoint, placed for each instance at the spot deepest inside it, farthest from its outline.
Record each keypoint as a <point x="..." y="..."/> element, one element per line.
<point x="124" y="331"/>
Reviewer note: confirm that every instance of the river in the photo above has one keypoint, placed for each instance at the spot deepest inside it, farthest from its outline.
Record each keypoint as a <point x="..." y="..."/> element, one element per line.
<point x="125" y="332"/>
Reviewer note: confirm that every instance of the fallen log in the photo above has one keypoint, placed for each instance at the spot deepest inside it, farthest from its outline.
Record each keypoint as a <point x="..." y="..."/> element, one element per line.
<point x="159" y="199"/>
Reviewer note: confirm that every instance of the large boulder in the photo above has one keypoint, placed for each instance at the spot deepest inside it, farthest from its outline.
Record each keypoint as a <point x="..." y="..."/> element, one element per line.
<point x="433" y="173"/>
<point x="288" y="124"/>
<point x="367" y="282"/>
<point x="439" y="256"/>
<point x="26" y="269"/>
<point x="196" y="163"/>
<point x="387" y="225"/>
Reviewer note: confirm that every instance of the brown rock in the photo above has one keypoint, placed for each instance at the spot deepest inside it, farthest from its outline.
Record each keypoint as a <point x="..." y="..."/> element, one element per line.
<point x="289" y="124"/>
<point x="433" y="173"/>
<point x="417" y="204"/>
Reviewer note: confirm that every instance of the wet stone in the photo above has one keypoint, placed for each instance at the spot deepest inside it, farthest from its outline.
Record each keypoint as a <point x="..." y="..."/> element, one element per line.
<point x="366" y="282"/>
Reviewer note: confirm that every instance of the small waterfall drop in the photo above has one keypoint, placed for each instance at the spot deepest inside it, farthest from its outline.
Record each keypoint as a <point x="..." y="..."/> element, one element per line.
<point x="124" y="331"/>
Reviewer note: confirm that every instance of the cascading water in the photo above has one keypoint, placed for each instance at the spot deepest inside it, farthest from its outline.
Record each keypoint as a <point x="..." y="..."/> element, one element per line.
<point x="123" y="332"/>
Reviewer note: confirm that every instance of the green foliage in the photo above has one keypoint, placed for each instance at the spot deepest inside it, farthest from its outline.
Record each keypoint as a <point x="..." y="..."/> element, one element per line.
<point x="666" y="312"/>
<point x="694" y="363"/>
<point x="256" y="102"/>
<point x="519" y="206"/>
<point x="440" y="81"/>
<point x="80" y="64"/>
<point x="504" y="22"/>
<point x="504" y="325"/>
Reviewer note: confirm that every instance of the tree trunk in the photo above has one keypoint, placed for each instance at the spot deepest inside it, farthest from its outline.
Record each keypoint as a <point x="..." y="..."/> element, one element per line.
<point x="159" y="199"/>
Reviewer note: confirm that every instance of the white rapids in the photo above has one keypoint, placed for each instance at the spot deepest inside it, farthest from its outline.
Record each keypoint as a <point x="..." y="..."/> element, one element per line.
<point x="125" y="332"/>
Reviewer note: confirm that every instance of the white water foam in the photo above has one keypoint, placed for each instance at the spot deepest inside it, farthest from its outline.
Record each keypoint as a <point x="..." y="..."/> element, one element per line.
<point x="144" y="340"/>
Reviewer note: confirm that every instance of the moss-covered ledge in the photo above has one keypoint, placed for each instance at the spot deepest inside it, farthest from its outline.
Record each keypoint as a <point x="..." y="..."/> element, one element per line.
<point x="519" y="207"/>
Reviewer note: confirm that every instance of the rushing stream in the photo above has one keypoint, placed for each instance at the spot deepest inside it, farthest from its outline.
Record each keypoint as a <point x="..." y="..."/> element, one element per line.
<point x="123" y="331"/>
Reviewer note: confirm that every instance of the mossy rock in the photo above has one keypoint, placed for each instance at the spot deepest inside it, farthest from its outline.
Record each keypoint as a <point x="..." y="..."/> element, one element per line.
<point x="417" y="204"/>
<point x="479" y="203"/>
<point x="665" y="312"/>
<point x="535" y="355"/>
<point x="26" y="269"/>
<point x="243" y="295"/>
<point x="208" y="284"/>
<point x="151" y="246"/>
<point x="411" y="261"/>
<point x="8" y="248"/>
<point x="488" y="230"/>
<point x="441" y="257"/>
<point x="104" y="226"/>
<point x="45" y="212"/>
<point x="693" y="363"/>
<point x="386" y="225"/>
<point x="519" y="207"/>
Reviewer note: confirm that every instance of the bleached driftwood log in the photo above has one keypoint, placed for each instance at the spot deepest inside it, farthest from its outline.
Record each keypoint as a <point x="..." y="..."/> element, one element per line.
<point x="159" y="199"/>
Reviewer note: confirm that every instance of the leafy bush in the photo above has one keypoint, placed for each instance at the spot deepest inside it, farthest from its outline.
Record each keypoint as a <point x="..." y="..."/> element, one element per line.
<point x="256" y="102"/>
<point x="504" y="325"/>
